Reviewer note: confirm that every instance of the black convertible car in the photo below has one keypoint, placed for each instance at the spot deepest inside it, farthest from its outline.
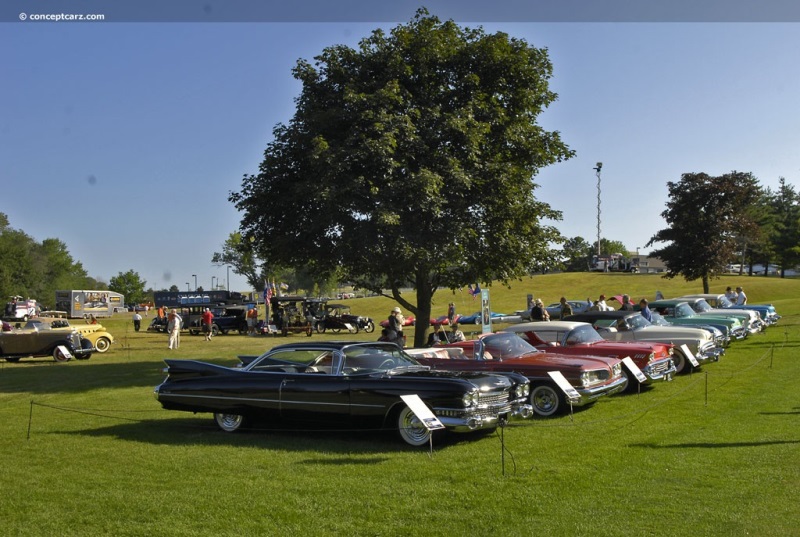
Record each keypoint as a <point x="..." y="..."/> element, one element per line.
<point x="347" y="385"/>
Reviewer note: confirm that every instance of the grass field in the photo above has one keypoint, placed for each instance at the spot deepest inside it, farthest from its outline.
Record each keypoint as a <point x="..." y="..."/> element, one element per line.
<point x="88" y="451"/>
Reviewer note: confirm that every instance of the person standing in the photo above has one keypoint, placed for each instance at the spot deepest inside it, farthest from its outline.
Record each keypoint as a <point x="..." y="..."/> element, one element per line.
<point x="566" y="308"/>
<point x="456" y="335"/>
<point x="252" y="320"/>
<point x="206" y="319"/>
<point x="395" y="328"/>
<point x="741" y="298"/>
<point x="174" y="322"/>
<point x="137" y="321"/>
<point x="626" y="303"/>
<point x="603" y="305"/>
<point x="538" y="311"/>
<point x="730" y="294"/>
<point x="451" y="313"/>
<point x="645" y="310"/>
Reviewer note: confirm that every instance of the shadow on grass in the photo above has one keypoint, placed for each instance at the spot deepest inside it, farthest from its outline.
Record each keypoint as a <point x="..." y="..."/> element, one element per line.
<point x="716" y="445"/>
<point x="203" y="432"/>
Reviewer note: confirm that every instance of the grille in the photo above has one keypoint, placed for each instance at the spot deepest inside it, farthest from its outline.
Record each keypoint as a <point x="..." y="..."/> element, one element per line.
<point x="659" y="367"/>
<point x="492" y="404"/>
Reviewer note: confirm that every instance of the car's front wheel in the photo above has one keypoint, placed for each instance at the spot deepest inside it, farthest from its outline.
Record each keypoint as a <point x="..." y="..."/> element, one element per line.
<point x="102" y="344"/>
<point x="230" y="422"/>
<point x="370" y="327"/>
<point x="59" y="356"/>
<point x="411" y="429"/>
<point x="546" y="400"/>
<point x="680" y="362"/>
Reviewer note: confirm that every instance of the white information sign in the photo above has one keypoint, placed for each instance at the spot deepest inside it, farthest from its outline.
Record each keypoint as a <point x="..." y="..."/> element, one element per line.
<point x="65" y="352"/>
<point x="562" y="382"/>
<point x="689" y="355"/>
<point x="633" y="368"/>
<point x="422" y="412"/>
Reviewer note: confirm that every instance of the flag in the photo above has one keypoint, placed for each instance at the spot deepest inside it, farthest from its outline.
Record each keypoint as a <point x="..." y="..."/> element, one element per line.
<point x="267" y="291"/>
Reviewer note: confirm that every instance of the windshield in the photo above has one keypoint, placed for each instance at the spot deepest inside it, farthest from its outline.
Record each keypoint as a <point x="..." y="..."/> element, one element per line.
<point x="683" y="310"/>
<point x="725" y="302"/>
<point x="377" y="357"/>
<point x="702" y="306"/>
<point x="506" y="345"/>
<point x="582" y="334"/>
<point x="637" y="321"/>
<point x="659" y="320"/>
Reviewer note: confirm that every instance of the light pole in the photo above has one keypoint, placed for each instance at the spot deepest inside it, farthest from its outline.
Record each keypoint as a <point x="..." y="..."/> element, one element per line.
<point x="195" y="281"/>
<point x="228" y="280"/>
<point x="187" y="287"/>
<point x="212" y="283"/>
<point x="597" y="172"/>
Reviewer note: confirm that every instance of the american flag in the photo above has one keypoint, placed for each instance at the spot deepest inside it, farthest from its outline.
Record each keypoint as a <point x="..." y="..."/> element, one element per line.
<point x="267" y="291"/>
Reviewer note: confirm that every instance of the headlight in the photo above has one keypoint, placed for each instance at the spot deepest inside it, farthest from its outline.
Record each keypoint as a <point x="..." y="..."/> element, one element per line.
<point x="651" y="357"/>
<point x="469" y="399"/>
<point x="617" y="370"/>
<point x="588" y="378"/>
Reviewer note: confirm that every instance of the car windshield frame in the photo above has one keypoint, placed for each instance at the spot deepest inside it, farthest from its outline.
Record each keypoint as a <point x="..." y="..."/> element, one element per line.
<point x="507" y="345"/>
<point x="581" y="335"/>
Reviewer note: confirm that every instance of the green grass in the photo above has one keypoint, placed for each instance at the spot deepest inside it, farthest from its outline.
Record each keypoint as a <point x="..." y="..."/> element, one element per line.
<point x="715" y="453"/>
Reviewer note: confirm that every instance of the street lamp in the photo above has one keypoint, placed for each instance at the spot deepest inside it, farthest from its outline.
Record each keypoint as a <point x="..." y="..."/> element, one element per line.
<point x="212" y="283"/>
<point x="597" y="172"/>
<point x="195" y="281"/>
<point x="187" y="287"/>
<point x="228" y="280"/>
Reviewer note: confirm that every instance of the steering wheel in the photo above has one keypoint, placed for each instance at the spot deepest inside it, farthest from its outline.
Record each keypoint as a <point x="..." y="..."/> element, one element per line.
<point x="387" y="363"/>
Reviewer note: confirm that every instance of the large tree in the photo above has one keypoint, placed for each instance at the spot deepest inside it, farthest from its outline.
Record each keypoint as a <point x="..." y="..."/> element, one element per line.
<point x="129" y="284"/>
<point x="409" y="162"/>
<point x="786" y="239"/>
<point x="708" y="218"/>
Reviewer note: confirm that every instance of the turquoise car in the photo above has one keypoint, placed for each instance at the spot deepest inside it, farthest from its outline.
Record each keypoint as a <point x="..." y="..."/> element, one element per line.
<point x="678" y="311"/>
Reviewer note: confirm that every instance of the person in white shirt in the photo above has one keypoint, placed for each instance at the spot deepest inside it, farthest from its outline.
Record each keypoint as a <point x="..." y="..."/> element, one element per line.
<point x="741" y="298"/>
<point x="602" y="304"/>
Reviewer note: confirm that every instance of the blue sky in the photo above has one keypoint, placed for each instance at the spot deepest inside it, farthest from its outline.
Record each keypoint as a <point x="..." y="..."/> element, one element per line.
<point x="123" y="139"/>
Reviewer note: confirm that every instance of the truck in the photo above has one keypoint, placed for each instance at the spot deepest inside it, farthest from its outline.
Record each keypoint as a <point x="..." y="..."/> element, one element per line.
<point x="19" y="309"/>
<point x="81" y="303"/>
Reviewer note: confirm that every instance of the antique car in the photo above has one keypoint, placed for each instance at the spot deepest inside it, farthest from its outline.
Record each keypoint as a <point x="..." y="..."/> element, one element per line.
<point x="574" y="338"/>
<point x="337" y="317"/>
<point x="345" y="385"/>
<point x="44" y="340"/>
<point x="99" y="337"/>
<point x="592" y="376"/>
<point x="750" y="319"/>
<point x="290" y="314"/>
<point x="678" y="312"/>
<point x="475" y="318"/>
<point x="228" y="318"/>
<point x="631" y="326"/>
<point x="554" y="310"/>
<point x="719" y="339"/>
<point x="767" y="312"/>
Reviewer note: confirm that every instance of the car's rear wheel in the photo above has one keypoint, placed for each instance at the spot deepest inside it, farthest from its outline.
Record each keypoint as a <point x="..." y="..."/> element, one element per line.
<point x="59" y="356"/>
<point x="370" y="327"/>
<point x="353" y="329"/>
<point x="230" y="422"/>
<point x="546" y="400"/>
<point x="411" y="429"/>
<point x="215" y="330"/>
<point x="102" y="344"/>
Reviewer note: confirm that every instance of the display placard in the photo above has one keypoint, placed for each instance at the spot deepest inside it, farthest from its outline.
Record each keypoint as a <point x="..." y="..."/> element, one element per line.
<point x="689" y="355"/>
<point x="562" y="382"/>
<point x="65" y="352"/>
<point x="633" y="368"/>
<point x="422" y="412"/>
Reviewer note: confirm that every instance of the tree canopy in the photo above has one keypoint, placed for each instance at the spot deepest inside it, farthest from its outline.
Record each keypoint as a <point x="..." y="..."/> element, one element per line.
<point x="708" y="218"/>
<point x="409" y="162"/>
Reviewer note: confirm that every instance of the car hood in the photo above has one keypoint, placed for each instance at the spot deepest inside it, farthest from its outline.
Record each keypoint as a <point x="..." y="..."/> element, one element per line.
<point x="561" y="362"/>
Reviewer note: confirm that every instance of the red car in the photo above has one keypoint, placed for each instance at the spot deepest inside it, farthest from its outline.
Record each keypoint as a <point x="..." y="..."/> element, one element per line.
<point x="591" y="376"/>
<point x="576" y="338"/>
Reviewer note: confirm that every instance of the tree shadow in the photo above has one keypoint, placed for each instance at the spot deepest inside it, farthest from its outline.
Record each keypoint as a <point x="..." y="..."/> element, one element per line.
<point x="715" y="445"/>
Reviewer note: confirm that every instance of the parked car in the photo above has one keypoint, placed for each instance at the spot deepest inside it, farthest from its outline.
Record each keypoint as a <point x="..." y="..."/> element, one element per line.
<point x="631" y="326"/>
<point x="226" y="319"/>
<point x="337" y="317"/>
<point x="44" y="341"/>
<point x="719" y="339"/>
<point x="592" y="376"/>
<point x="346" y="385"/>
<point x="99" y="337"/>
<point x="290" y="314"/>
<point x="677" y="311"/>
<point x="475" y="318"/>
<point x="750" y="319"/>
<point x="767" y="312"/>
<point x="576" y="339"/>
<point x="554" y="310"/>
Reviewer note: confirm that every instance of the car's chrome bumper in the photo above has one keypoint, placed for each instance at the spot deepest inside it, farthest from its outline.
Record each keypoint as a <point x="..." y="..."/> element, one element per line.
<point x="659" y="370"/>
<point x="590" y="395"/>
<point x="739" y="333"/>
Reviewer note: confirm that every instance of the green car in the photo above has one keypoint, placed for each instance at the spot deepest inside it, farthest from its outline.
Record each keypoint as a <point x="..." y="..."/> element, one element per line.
<point x="678" y="311"/>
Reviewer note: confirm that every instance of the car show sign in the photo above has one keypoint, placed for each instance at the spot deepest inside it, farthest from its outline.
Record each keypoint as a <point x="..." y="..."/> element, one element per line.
<point x="634" y="369"/>
<point x="64" y="352"/>
<point x="422" y="412"/>
<point x="562" y="382"/>
<point x="486" y="313"/>
<point x="689" y="356"/>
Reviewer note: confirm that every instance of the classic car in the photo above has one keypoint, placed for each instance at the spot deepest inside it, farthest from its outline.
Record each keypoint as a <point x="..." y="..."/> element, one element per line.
<point x="347" y="385"/>
<point x="554" y="310"/>
<point x="574" y="338"/>
<point x="100" y="338"/>
<point x="228" y="318"/>
<point x="750" y="319"/>
<point x="337" y="317"/>
<point x="719" y="339"/>
<point x="631" y="326"/>
<point x="290" y="314"/>
<point x="592" y="376"/>
<point x="44" y="341"/>
<point x="677" y="311"/>
<point x="475" y="318"/>
<point x="767" y="312"/>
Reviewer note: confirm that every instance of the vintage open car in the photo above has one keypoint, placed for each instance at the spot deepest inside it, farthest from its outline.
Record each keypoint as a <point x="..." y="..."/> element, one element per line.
<point x="44" y="340"/>
<point x="342" y="385"/>
<point x="337" y="317"/>
<point x="290" y="315"/>
<point x="96" y="333"/>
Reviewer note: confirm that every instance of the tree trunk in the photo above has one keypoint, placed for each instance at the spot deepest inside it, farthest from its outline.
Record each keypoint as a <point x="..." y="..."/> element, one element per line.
<point x="424" y="298"/>
<point x="705" y="284"/>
